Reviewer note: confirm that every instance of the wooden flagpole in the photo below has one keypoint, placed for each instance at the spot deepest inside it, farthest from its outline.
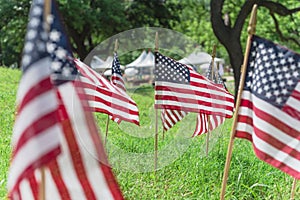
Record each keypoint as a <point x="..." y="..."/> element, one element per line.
<point x="106" y="130"/>
<point x="293" y="190"/>
<point x="42" y="185"/>
<point x="107" y="122"/>
<point x="208" y="116"/>
<point x="156" y="117"/>
<point x="251" y="31"/>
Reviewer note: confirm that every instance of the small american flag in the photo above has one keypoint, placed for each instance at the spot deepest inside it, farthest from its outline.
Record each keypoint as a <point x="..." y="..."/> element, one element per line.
<point x="116" y="75"/>
<point x="269" y="114"/>
<point x="53" y="132"/>
<point x="178" y="87"/>
<point x="104" y="97"/>
<point x="117" y="79"/>
<point x="206" y="122"/>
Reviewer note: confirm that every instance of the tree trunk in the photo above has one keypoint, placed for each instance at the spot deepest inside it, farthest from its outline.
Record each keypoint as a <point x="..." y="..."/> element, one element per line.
<point x="230" y="36"/>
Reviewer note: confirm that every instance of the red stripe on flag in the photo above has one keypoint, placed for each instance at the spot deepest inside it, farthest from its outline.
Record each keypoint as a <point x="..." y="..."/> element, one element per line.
<point x="36" y="128"/>
<point x="105" y="169"/>
<point x="272" y="161"/>
<point x="276" y="143"/>
<point x="245" y="119"/>
<point x="34" y="186"/>
<point x="75" y="154"/>
<point x="277" y="123"/>
<point x="58" y="180"/>
<point x="35" y="91"/>
<point x="42" y="160"/>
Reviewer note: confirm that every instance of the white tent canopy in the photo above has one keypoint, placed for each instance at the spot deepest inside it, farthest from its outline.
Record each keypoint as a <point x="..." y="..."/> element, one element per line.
<point x="131" y="71"/>
<point x="138" y="60"/>
<point x="141" y="70"/>
<point x="148" y="61"/>
<point x="106" y="65"/>
<point x="96" y="61"/>
<point x="198" y="58"/>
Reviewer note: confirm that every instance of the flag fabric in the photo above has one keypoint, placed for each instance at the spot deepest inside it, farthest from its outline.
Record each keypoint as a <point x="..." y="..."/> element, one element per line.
<point x="36" y="131"/>
<point x="116" y="75"/>
<point x="171" y="117"/>
<point x="105" y="97"/>
<point x="117" y="79"/>
<point x="269" y="114"/>
<point x="179" y="87"/>
<point x="53" y="134"/>
<point x="206" y="122"/>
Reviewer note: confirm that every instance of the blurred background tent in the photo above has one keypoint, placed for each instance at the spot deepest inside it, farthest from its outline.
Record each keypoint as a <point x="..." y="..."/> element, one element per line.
<point x="140" y="70"/>
<point x="103" y="67"/>
<point x="201" y="60"/>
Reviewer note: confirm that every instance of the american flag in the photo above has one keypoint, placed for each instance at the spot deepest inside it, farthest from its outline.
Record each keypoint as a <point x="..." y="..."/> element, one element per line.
<point x="116" y="75"/>
<point x="206" y="122"/>
<point x="104" y="97"/>
<point x="269" y="114"/>
<point x="117" y="79"/>
<point x="170" y="117"/>
<point x="53" y="134"/>
<point x="178" y="87"/>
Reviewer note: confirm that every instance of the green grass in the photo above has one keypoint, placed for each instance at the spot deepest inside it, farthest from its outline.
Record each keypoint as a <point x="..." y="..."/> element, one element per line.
<point x="9" y="80"/>
<point x="185" y="172"/>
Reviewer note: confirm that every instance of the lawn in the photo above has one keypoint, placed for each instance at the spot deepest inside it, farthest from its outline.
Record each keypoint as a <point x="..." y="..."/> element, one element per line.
<point x="184" y="170"/>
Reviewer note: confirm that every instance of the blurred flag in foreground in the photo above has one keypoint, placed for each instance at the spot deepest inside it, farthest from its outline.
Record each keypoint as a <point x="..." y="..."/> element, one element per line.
<point x="55" y="141"/>
<point x="269" y="114"/>
<point x="178" y="87"/>
<point x="206" y="122"/>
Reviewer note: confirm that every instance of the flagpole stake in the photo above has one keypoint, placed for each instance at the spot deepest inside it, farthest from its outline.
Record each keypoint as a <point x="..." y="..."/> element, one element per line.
<point x="213" y="55"/>
<point x="42" y="185"/>
<point x="47" y="11"/>
<point x="156" y="41"/>
<point x="156" y="141"/>
<point x="207" y="135"/>
<point x="106" y="130"/>
<point x="293" y="190"/>
<point x="251" y="31"/>
<point x="116" y="45"/>
<point x="156" y="119"/>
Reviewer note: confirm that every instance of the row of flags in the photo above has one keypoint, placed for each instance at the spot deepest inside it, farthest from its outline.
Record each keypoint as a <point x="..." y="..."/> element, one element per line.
<point x="55" y="138"/>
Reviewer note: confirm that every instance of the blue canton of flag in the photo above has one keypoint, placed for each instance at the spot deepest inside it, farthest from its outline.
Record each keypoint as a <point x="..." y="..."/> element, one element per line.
<point x="116" y="75"/>
<point x="214" y="75"/>
<point x="273" y="72"/>
<point x="36" y="38"/>
<point x="168" y="70"/>
<point x="63" y="68"/>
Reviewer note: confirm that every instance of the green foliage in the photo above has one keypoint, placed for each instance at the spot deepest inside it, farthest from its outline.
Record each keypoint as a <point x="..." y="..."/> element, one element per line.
<point x="13" y="15"/>
<point x="90" y="22"/>
<point x="153" y="13"/>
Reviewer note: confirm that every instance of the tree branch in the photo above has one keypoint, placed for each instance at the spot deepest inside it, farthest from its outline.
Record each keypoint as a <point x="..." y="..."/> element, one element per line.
<point x="278" y="8"/>
<point x="280" y="32"/>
